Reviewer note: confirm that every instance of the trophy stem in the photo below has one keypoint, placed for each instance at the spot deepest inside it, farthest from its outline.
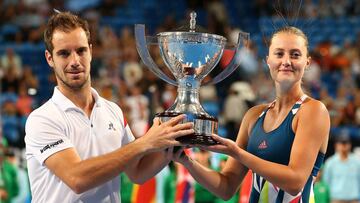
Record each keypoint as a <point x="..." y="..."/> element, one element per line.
<point x="187" y="101"/>
<point x="205" y="125"/>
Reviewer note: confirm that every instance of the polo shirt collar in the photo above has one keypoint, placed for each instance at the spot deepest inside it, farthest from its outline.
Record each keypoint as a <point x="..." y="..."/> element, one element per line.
<point x="66" y="104"/>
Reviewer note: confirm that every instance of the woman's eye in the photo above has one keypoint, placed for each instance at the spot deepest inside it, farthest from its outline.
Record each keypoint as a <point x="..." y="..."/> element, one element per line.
<point x="279" y="54"/>
<point x="296" y="55"/>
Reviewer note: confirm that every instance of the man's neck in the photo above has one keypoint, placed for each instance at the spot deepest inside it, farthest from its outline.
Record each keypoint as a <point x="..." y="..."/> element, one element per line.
<point x="343" y="156"/>
<point x="82" y="98"/>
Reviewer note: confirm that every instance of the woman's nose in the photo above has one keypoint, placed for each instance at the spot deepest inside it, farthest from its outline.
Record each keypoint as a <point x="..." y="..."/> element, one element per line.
<point x="286" y="61"/>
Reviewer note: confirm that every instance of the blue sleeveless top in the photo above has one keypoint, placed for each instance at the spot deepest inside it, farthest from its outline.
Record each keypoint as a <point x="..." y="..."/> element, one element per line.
<point x="275" y="146"/>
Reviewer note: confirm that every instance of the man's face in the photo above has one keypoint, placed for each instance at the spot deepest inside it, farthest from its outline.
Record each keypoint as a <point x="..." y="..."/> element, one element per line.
<point x="70" y="58"/>
<point x="343" y="147"/>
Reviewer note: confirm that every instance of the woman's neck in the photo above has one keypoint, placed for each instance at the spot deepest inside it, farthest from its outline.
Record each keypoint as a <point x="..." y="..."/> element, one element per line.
<point x="286" y="98"/>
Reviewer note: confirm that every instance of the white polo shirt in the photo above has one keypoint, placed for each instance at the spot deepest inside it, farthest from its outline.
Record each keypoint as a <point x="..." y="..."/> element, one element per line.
<point x="59" y="124"/>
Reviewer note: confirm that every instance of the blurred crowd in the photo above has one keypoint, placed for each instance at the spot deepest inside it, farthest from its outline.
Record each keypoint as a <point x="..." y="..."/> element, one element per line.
<point x="119" y="75"/>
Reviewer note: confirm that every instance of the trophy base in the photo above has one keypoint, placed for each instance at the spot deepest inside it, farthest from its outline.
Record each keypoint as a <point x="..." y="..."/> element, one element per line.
<point x="204" y="127"/>
<point x="197" y="139"/>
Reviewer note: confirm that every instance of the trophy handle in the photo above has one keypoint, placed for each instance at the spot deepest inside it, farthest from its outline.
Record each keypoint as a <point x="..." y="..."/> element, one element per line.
<point x="141" y="46"/>
<point x="235" y="61"/>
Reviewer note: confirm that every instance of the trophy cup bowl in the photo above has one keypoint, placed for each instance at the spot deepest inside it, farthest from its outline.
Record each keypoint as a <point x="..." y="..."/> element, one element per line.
<point x="190" y="56"/>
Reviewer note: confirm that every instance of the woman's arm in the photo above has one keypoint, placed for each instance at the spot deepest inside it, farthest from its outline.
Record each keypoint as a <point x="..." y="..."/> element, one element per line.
<point x="223" y="184"/>
<point x="311" y="133"/>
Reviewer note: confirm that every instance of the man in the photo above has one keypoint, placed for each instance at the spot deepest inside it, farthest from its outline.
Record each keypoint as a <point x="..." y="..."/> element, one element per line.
<point x="9" y="187"/>
<point x="78" y="143"/>
<point x="341" y="172"/>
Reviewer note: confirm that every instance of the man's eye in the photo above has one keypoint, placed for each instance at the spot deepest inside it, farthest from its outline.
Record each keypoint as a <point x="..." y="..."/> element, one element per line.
<point x="81" y="51"/>
<point x="64" y="53"/>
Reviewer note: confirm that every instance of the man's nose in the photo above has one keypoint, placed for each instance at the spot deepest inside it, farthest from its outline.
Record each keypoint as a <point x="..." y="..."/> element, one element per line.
<point x="75" y="59"/>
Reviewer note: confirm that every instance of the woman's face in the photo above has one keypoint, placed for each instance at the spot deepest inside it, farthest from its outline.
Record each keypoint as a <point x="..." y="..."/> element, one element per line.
<point x="287" y="58"/>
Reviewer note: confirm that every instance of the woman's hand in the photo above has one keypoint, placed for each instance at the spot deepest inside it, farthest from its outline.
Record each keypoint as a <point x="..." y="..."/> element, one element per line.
<point x="179" y="155"/>
<point x="225" y="146"/>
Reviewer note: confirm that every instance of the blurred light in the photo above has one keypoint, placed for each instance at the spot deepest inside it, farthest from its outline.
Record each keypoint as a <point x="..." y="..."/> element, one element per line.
<point x="152" y="88"/>
<point x="32" y="91"/>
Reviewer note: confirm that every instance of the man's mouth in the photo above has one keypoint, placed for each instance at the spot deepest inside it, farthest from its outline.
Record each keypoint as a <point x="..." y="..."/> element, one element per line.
<point x="74" y="72"/>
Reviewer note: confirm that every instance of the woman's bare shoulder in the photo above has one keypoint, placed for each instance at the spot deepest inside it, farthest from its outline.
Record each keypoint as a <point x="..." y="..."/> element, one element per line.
<point x="256" y="110"/>
<point x="313" y="106"/>
<point x="253" y="113"/>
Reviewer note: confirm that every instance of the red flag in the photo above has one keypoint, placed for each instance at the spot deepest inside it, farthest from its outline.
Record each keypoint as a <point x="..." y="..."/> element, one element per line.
<point x="145" y="193"/>
<point x="246" y="188"/>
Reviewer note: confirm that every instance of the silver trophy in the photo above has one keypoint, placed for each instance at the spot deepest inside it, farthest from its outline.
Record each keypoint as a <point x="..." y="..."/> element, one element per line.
<point x="190" y="56"/>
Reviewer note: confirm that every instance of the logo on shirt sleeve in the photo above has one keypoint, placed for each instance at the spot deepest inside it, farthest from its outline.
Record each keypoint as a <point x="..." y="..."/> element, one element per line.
<point x="52" y="145"/>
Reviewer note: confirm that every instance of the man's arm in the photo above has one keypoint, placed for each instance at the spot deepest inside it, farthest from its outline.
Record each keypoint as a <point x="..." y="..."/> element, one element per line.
<point x="82" y="175"/>
<point x="150" y="164"/>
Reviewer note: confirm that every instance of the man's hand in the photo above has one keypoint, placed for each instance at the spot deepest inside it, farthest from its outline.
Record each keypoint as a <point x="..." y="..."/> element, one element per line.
<point x="162" y="136"/>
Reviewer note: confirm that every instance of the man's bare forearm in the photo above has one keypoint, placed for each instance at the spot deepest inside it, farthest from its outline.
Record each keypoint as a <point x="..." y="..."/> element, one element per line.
<point x="148" y="166"/>
<point x="92" y="172"/>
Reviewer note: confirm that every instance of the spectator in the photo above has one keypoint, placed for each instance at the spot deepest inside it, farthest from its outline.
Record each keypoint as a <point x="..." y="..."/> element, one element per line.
<point x="341" y="172"/>
<point x="9" y="186"/>
<point x="24" y="103"/>
<point x="11" y="60"/>
<point x="324" y="9"/>
<point x="236" y="104"/>
<point x="15" y="157"/>
<point x="139" y="113"/>
<point x="11" y="124"/>
<point x="10" y="82"/>
<point x="29" y="79"/>
<point x="321" y="189"/>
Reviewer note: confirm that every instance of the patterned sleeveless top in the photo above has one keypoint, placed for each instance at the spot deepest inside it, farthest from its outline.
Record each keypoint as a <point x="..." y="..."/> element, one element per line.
<point x="275" y="146"/>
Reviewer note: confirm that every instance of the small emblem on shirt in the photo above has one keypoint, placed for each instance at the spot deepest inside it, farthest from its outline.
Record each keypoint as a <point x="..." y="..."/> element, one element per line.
<point x="111" y="126"/>
<point x="262" y="145"/>
<point x="294" y="111"/>
<point x="51" y="145"/>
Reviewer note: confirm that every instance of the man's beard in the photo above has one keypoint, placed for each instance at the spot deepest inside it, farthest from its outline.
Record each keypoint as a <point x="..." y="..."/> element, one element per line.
<point x="76" y="86"/>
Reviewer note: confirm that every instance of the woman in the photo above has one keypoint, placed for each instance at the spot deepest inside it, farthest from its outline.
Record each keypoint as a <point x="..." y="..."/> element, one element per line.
<point x="283" y="143"/>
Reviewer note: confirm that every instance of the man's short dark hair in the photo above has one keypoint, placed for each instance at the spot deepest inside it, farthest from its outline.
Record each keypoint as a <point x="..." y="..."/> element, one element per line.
<point x="343" y="138"/>
<point x="65" y="22"/>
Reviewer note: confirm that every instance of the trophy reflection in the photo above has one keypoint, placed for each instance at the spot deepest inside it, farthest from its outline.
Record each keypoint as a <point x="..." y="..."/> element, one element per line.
<point x="190" y="56"/>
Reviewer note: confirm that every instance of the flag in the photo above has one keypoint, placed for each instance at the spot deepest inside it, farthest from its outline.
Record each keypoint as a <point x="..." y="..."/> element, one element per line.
<point x="145" y="193"/>
<point x="246" y="188"/>
<point x="184" y="183"/>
